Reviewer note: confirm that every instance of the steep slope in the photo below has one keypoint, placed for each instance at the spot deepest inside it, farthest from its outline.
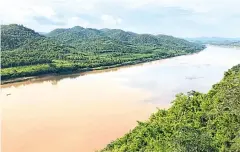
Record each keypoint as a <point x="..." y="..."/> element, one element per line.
<point x="195" y="123"/>
<point x="13" y="36"/>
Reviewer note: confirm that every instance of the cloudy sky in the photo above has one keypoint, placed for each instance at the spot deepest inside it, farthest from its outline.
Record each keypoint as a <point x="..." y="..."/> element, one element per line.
<point x="182" y="18"/>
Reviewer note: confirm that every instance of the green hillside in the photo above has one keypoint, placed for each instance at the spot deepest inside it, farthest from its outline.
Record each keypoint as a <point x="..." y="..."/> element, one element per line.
<point x="77" y="35"/>
<point x="13" y="36"/>
<point x="27" y="53"/>
<point x="196" y="122"/>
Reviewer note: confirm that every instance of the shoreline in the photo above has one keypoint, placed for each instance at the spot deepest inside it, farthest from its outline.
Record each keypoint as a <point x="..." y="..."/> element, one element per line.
<point x="224" y="46"/>
<point x="97" y="69"/>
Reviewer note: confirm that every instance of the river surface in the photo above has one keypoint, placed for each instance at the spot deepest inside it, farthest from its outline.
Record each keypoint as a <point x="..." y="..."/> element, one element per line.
<point x="84" y="112"/>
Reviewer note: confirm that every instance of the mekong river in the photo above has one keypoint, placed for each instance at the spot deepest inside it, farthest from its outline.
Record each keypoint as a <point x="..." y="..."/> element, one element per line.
<point x="84" y="112"/>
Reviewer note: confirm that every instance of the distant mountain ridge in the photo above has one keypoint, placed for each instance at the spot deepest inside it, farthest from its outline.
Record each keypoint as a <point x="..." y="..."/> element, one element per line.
<point x="236" y="43"/>
<point x="215" y="41"/>
<point x="230" y="44"/>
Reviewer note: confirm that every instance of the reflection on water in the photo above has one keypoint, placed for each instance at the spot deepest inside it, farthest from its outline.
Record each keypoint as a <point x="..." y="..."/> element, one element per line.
<point x="84" y="112"/>
<point x="55" y="78"/>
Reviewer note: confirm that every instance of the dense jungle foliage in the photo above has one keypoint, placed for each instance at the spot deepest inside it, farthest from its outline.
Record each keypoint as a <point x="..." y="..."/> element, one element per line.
<point x="196" y="122"/>
<point x="27" y="53"/>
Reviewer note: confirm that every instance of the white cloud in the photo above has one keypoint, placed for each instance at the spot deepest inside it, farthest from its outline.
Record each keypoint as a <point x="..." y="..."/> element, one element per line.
<point x="109" y="20"/>
<point x="195" y="5"/>
<point x="25" y="8"/>
<point x="111" y="14"/>
<point x="76" y="21"/>
<point x="45" y="11"/>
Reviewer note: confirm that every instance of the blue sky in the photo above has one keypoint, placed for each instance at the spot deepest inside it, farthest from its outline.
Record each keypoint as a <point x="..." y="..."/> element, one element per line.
<point x="181" y="18"/>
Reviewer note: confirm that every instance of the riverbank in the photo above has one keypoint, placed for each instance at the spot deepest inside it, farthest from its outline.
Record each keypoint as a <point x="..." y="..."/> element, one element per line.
<point x="186" y="125"/>
<point x="227" y="46"/>
<point x="30" y="77"/>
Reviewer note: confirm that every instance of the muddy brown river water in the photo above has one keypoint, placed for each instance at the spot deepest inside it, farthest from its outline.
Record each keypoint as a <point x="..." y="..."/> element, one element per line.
<point x="84" y="112"/>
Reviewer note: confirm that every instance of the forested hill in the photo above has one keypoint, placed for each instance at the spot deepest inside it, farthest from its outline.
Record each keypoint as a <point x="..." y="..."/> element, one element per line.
<point x="196" y="122"/>
<point x="14" y="36"/>
<point x="78" y="34"/>
<point x="27" y="53"/>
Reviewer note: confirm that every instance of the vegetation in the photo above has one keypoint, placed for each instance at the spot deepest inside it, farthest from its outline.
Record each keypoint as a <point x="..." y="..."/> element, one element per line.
<point x="13" y="36"/>
<point x="27" y="53"/>
<point x="230" y="42"/>
<point x="196" y="122"/>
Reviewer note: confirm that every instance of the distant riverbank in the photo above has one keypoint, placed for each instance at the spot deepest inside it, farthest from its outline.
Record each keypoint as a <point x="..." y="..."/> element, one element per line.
<point x="71" y="71"/>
